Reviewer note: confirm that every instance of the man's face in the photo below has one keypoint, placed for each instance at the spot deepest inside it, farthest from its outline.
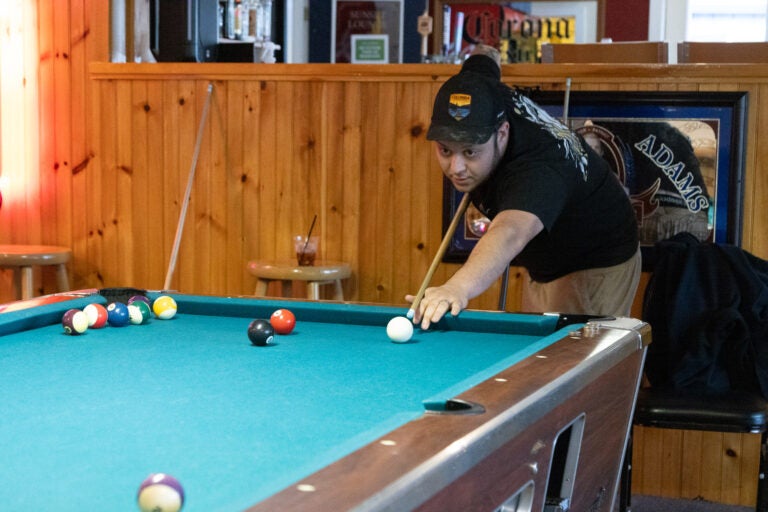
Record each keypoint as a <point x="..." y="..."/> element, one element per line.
<point x="468" y="165"/>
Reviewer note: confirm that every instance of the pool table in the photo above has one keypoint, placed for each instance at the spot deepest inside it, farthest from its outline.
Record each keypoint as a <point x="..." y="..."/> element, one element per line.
<point x="485" y="411"/>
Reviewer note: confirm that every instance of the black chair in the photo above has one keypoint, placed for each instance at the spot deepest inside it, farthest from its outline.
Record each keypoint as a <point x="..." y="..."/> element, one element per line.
<point x="736" y="411"/>
<point x="708" y="310"/>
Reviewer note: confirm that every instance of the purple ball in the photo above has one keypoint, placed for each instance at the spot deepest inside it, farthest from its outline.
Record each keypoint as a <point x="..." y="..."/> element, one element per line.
<point x="142" y="298"/>
<point x="160" y="492"/>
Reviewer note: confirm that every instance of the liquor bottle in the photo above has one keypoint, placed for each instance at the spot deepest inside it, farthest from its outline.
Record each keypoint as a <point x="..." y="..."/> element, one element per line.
<point x="220" y="19"/>
<point x="245" y="20"/>
<point x="259" y="28"/>
<point x="230" y="28"/>
<point x="238" y="19"/>
<point x="252" y="19"/>
<point x="267" y="6"/>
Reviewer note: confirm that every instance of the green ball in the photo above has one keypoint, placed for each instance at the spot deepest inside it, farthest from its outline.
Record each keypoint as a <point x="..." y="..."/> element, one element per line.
<point x="143" y="307"/>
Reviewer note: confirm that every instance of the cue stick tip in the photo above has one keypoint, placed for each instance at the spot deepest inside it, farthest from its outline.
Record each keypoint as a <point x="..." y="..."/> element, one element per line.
<point x="410" y="314"/>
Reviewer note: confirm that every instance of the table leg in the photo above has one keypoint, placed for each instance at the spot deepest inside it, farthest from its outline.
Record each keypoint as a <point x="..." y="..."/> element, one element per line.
<point x="313" y="290"/>
<point x="261" y="287"/>
<point x="62" y="278"/>
<point x="26" y="283"/>
<point x="17" y="282"/>
<point x="338" y="290"/>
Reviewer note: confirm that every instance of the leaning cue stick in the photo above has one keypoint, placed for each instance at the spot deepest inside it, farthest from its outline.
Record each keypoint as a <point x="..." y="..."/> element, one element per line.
<point x="440" y="252"/>
<point x="566" y="100"/>
<point x="190" y="181"/>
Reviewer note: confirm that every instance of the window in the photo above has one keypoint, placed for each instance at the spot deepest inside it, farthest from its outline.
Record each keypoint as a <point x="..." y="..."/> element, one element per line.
<point x="732" y="21"/>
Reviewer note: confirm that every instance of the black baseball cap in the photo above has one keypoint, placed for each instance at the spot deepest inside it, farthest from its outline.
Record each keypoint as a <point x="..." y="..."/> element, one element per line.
<point x="469" y="107"/>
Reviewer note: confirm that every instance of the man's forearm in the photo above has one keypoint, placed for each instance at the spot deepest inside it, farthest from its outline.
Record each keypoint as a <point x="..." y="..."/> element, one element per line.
<point x="505" y="238"/>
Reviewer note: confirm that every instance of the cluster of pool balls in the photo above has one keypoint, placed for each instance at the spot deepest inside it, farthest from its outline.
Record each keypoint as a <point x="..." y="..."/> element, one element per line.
<point x="137" y="310"/>
<point x="262" y="331"/>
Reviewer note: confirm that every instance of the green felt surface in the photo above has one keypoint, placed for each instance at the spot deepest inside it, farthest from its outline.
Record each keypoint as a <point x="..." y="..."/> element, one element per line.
<point x="86" y="418"/>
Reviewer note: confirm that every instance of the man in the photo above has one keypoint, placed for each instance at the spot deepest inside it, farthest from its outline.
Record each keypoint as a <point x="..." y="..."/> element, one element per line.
<point x="555" y="205"/>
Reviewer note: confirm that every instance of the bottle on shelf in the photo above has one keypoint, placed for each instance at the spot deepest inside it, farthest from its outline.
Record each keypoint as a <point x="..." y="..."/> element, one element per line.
<point x="238" y="19"/>
<point x="229" y="31"/>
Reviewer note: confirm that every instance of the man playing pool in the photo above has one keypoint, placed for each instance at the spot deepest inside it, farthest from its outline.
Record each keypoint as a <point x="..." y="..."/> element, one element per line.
<point x="556" y="208"/>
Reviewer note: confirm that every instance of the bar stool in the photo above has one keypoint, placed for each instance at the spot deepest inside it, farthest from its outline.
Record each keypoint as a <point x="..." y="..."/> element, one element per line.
<point x="322" y="273"/>
<point x="22" y="258"/>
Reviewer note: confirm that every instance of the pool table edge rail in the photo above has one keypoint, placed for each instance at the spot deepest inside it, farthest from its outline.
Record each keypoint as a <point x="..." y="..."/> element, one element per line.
<point x="403" y="469"/>
<point x="31" y="313"/>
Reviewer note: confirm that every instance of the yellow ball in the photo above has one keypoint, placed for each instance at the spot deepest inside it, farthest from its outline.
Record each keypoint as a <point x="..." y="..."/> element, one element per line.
<point x="164" y="307"/>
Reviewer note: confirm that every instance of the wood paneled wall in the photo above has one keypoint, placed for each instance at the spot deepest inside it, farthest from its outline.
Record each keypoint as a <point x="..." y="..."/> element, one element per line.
<point x="281" y="144"/>
<point x="276" y="150"/>
<point x="41" y="196"/>
<point x="285" y="142"/>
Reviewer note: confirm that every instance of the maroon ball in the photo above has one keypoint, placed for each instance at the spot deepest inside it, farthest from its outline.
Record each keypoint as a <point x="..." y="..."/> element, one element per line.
<point x="74" y="321"/>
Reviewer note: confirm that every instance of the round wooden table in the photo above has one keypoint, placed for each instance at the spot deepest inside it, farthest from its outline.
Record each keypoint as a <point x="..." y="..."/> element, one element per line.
<point x="23" y="258"/>
<point x="322" y="273"/>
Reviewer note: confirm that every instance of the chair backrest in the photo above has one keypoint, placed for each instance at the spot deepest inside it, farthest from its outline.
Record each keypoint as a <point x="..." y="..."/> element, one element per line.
<point x="688" y="52"/>
<point x="620" y="52"/>
<point x="707" y="304"/>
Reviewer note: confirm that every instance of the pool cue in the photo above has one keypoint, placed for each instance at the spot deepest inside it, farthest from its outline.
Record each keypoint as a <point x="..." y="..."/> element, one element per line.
<point x="505" y="276"/>
<point x="440" y="252"/>
<point x="503" y="290"/>
<point x="190" y="181"/>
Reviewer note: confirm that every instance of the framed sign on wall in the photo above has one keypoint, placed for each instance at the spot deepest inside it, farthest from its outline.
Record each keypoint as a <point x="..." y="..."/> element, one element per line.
<point x="679" y="156"/>
<point x="355" y="18"/>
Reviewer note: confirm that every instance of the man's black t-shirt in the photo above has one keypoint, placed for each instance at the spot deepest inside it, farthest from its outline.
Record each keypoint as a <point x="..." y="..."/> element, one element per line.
<point x="551" y="172"/>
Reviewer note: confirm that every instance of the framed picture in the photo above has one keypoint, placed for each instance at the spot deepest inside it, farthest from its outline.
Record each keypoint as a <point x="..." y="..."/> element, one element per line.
<point x="679" y="155"/>
<point x="353" y="19"/>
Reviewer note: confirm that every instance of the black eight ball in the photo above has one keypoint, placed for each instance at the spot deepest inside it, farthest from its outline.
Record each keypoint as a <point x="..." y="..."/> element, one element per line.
<point x="260" y="332"/>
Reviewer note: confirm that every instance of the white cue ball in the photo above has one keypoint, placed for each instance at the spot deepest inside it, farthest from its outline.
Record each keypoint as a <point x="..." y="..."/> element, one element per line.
<point x="400" y="329"/>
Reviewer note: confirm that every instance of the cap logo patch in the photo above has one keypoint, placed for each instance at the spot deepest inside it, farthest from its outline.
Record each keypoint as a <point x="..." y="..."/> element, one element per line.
<point x="459" y="106"/>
